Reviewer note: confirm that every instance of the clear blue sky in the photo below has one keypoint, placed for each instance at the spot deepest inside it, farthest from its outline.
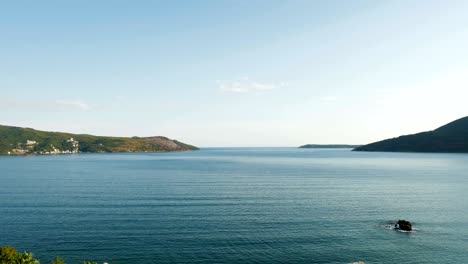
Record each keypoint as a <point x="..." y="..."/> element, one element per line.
<point x="234" y="73"/>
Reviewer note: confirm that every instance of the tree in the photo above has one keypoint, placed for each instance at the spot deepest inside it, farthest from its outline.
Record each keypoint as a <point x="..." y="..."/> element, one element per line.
<point x="9" y="255"/>
<point x="26" y="258"/>
<point x="57" y="260"/>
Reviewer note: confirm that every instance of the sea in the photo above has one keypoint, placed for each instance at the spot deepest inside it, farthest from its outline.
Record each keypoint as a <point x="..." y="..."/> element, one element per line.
<point x="237" y="205"/>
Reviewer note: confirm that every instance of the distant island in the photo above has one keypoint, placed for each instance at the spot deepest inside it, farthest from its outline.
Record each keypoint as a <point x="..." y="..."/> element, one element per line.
<point x="452" y="137"/>
<point x="22" y="141"/>
<point x="329" y="146"/>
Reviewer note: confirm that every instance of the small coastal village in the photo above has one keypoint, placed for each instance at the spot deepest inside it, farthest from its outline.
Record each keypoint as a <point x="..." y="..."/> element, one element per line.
<point x="31" y="147"/>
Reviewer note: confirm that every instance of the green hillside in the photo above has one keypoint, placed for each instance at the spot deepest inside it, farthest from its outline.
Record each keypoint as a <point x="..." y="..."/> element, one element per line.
<point x="452" y="137"/>
<point x="16" y="140"/>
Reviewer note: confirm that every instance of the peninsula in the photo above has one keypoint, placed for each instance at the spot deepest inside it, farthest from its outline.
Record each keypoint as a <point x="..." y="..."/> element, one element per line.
<point x="450" y="138"/>
<point x="22" y="141"/>
<point x="329" y="146"/>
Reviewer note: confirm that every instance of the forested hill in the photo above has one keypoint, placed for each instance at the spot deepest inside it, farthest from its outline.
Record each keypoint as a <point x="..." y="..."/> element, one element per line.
<point x="17" y="140"/>
<point x="452" y="137"/>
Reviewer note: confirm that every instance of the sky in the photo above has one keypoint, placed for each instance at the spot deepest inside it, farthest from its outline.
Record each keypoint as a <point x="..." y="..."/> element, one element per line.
<point x="235" y="73"/>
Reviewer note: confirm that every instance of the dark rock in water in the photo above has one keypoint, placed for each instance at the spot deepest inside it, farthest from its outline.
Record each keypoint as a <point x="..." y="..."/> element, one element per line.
<point x="404" y="225"/>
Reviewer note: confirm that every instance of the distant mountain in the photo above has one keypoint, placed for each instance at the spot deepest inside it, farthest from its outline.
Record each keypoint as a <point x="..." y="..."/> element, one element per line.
<point x="17" y="140"/>
<point x="452" y="137"/>
<point x="329" y="146"/>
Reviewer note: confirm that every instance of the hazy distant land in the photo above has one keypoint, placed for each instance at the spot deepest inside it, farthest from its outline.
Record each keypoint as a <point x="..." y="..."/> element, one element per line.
<point x="22" y="141"/>
<point x="329" y="146"/>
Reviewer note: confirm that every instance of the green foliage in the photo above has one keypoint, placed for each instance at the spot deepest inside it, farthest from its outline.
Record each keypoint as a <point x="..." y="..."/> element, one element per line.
<point x="9" y="255"/>
<point x="57" y="260"/>
<point x="26" y="258"/>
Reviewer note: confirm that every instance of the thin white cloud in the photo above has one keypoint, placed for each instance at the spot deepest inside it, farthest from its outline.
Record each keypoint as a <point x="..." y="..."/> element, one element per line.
<point x="73" y="104"/>
<point x="34" y="105"/>
<point x="328" y="98"/>
<point x="246" y="86"/>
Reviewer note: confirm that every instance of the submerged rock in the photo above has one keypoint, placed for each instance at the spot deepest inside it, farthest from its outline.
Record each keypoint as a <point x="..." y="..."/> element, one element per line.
<point x="404" y="225"/>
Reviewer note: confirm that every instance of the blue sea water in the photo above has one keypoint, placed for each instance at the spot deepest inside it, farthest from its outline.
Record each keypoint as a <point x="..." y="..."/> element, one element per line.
<point x="238" y="205"/>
